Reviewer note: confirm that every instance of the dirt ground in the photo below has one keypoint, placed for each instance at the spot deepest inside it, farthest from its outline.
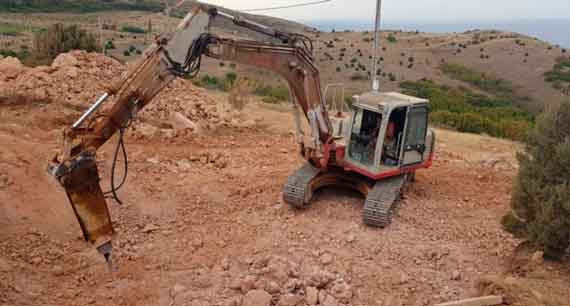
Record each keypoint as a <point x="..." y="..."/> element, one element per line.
<point x="203" y="222"/>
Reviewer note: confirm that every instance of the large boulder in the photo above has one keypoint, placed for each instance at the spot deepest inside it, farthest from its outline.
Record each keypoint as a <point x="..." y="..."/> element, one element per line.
<point x="65" y="60"/>
<point x="181" y="122"/>
<point x="10" y="68"/>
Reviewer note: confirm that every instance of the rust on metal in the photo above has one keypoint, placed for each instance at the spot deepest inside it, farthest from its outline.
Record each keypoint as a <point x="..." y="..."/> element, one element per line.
<point x="88" y="202"/>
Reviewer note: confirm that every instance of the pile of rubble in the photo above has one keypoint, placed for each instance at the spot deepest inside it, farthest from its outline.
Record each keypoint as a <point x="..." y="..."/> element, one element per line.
<point x="74" y="80"/>
<point x="280" y="281"/>
<point x="283" y="281"/>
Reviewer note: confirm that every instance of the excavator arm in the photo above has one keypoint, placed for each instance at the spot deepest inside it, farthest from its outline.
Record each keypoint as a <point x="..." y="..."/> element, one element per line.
<point x="178" y="54"/>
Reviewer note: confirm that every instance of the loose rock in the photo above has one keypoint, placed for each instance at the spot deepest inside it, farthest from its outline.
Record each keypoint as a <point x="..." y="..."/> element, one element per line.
<point x="257" y="298"/>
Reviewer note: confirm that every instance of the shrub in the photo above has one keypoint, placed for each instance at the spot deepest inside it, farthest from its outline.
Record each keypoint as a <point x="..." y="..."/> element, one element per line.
<point x="110" y="45"/>
<point x="133" y="29"/>
<point x="357" y="76"/>
<point x="540" y="204"/>
<point x="338" y="69"/>
<point x="28" y="6"/>
<point x="391" y="38"/>
<point x="391" y="77"/>
<point x="60" y="39"/>
<point x="126" y="53"/>
<point x="466" y="111"/>
<point x="222" y="64"/>
<point x="272" y="94"/>
<point x="560" y="73"/>
<point x="231" y="77"/>
<point x="480" y="80"/>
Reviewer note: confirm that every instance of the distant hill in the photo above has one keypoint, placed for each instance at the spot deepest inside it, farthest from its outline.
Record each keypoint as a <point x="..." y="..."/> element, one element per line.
<point x="551" y="30"/>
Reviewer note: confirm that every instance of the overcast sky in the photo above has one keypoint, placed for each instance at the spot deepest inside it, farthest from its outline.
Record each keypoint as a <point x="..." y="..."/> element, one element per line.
<point x="439" y="11"/>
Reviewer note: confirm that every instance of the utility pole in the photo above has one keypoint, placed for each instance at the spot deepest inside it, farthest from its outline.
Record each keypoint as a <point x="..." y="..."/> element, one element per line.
<point x="101" y="43"/>
<point x="375" y="81"/>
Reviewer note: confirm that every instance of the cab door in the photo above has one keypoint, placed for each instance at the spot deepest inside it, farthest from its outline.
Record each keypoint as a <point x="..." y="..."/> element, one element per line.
<point x="415" y="135"/>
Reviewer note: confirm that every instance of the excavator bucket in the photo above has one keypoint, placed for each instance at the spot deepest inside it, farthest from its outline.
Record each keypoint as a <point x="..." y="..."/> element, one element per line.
<point x="88" y="203"/>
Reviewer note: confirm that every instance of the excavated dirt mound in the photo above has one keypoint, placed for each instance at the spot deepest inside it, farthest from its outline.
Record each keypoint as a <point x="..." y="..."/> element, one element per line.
<point x="203" y="222"/>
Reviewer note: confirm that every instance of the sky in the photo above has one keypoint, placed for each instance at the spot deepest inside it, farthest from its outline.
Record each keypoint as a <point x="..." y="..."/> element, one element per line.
<point x="437" y="11"/>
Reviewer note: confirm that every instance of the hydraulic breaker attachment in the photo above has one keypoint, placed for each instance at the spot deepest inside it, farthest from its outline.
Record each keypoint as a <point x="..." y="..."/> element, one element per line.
<point x="80" y="179"/>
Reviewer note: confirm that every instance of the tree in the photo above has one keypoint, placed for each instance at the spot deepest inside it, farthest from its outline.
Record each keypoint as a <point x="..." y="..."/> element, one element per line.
<point x="540" y="205"/>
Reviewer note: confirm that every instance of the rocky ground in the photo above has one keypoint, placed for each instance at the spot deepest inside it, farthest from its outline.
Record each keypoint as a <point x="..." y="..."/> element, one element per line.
<point x="203" y="222"/>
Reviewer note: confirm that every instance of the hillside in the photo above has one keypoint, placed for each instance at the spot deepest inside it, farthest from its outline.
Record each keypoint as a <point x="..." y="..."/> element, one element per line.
<point x="342" y="57"/>
<point x="81" y="6"/>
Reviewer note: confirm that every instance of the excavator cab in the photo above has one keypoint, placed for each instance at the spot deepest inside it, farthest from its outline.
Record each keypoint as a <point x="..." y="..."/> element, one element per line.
<point x="388" y="133"/>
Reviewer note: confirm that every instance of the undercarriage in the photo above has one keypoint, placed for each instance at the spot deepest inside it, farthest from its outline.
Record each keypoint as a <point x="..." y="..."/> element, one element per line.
<point x="381" y="197"/>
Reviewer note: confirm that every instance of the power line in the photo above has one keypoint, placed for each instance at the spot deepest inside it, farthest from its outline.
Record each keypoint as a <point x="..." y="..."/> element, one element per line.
<point x="286" y="6"/>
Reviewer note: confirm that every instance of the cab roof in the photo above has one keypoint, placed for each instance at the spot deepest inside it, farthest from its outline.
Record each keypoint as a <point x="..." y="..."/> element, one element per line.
<point x="386" y="100"/>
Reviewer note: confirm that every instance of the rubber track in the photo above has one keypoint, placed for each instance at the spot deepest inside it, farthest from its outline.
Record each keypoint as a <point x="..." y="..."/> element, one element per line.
<point x="294" y="191"/>
<point x="381" y="201"/>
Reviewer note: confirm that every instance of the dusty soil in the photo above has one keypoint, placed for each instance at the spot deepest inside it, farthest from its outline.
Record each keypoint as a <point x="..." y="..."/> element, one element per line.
<point x="203" y="222"/>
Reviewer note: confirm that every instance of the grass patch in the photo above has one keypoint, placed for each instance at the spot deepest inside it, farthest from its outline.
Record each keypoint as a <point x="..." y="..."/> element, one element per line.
<point x="22" y="55"/>
<point x="133" y="29"/>
<point x="77" y="6"/>
<point x="215" y="83"/>
<point x="483" y="81"/>
<point x="559" y="76"/>
<point x="14" y="29"/>
<point x="465" y="111"/>
<point x="272" y="94"/>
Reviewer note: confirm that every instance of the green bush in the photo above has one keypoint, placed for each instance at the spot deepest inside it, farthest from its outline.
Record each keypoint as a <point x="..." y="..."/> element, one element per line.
<point x="60" y="39"/>
<point x="540" y="203"/>
<point x="272" y="94"/>
<point x="461" y="109"/>
<point x="391" y="38"/>
<point x="126" y="53"/>
<point x="231" y="77"/>
<point x="78" y="6"/>
<point x="133" y="29"/>
<point x="560" y="73"/>
<point x="480" y="80"/>
<point x="22" y="55"/>
<point x="357" y="76"/>
<point x="110" y="45"/>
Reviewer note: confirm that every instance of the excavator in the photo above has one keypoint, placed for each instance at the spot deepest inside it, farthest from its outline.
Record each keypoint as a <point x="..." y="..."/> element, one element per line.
<point x="375" y="148"/>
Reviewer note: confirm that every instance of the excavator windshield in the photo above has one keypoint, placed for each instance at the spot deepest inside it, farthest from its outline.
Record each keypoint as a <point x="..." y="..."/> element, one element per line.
<point x="364" y="136"/>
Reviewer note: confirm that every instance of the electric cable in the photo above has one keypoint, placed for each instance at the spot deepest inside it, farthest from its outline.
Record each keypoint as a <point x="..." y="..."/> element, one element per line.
<point x="286" y="6"/>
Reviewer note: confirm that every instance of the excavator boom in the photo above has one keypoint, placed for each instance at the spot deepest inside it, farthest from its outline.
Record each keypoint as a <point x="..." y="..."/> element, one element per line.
<point x="179" y="54"/>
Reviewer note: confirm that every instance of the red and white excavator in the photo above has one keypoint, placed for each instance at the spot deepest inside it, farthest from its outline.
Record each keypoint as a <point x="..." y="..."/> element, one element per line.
<point x="375" y="148"/>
